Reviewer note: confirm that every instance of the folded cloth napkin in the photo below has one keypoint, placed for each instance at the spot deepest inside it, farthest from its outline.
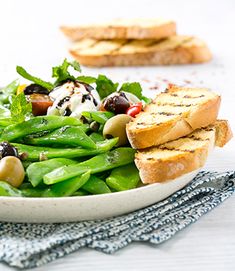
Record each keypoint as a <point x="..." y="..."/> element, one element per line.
<point x="30" y="245"/>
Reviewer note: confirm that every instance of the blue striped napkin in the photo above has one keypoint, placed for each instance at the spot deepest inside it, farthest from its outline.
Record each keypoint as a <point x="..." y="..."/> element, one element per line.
<point x="30" y="245"/>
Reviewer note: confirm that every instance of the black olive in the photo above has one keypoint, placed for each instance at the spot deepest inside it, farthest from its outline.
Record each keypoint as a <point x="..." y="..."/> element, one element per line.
<point x="34" y="88"/>
<point x="7" y="149"/>
<point x="117" y="104"/>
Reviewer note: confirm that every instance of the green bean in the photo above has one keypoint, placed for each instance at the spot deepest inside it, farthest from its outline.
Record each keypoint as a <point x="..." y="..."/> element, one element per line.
<point x="98" y="116"/>
<point x="35" y="153"/>
<point x="80" y="193"/>
<point x="99" y="163"/>
<point x="28" y="190"/>
<point x="68" y="187"/>
<point x="70" y="136"/>
<point x="37" y="124"/>
<point x="124" y="178"/>
<point x="96" y="137"/>
<point x="8" y="190"/>
<point x="37" y="170"/>
<point x="96" y="186"/>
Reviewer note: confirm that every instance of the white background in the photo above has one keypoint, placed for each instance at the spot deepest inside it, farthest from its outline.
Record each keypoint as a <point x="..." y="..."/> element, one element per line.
<point x="29" y="36"/>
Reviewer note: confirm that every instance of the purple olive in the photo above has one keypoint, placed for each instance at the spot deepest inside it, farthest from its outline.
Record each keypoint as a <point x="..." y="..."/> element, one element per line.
<point x="7" y="149"/>
<point x="118" y="104"/>
<point x="34" y="88"/>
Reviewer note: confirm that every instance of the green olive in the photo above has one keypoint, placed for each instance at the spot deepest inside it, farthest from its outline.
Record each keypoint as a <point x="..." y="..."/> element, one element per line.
<point x="12" y="170"/>
<point x="116" y="127"/>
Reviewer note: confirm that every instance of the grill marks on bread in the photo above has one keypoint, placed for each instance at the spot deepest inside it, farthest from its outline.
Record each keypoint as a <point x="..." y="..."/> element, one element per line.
<point x="188" y="144"/>
<point x="124" y="46"/>
<point x="178" y="157"/>
<point x="169" y="105"/>
<point x="173" y="114"/>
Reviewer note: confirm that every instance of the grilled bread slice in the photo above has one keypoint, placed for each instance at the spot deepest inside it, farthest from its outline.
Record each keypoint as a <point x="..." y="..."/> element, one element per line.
<point x="123" y="29"/>
<point x="173" y="159"/>
<point x="173" y="114"/>
<point x="123" y="52"/>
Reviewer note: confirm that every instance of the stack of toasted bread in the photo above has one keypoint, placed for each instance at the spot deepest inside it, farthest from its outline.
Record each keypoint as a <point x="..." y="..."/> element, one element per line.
<point x="134" y="43"/>
<point x="175" y="133"/>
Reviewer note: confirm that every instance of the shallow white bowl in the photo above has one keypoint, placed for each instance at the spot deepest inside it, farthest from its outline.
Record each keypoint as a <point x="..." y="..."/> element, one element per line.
<point x="53" y="210"/>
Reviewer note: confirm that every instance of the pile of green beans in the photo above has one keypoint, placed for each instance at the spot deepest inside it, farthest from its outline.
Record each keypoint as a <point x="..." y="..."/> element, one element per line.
<point x="63" y="157"/>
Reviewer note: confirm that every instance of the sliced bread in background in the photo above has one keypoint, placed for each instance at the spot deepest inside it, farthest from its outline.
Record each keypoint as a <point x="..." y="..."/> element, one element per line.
<point x="123" y="29"/>
<point x="174" y="113"/>
<point x="121" y="52"/>
<point x="173" y="159"/>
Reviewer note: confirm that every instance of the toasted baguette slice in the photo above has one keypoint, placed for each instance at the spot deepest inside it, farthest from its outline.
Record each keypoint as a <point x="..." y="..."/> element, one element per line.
<point x="178" y="157"/>
<point x="122" y="52"/>
<point x="123" y="29"/>
<point x="173" y="114"/>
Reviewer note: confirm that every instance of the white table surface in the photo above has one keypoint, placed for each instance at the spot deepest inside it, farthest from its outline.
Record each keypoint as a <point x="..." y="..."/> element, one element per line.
<point x="29" y="36"/>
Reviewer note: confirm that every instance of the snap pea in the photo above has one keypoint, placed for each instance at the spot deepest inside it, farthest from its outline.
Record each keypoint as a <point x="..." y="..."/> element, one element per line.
<point x="68" y="187"/>
<point x="37" y="170"/>
<point x="8" y="190"/>
<point x="37" y="124"/>
<point x="67" y="135"/>
<point x="28" y="190"/>
<point x="34" y="153"/>
<point x="98" y="116"/>
<point x="99" y="163"/>
<point x="80" y="193"/>
<point x="96" y="186"/>
<point x="96" y="137"/>
<point x="123" y="178"/>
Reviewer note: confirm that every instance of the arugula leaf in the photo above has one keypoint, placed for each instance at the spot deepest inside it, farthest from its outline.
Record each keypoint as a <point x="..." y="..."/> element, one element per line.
<point x="34" y="79"/>
<point x="11" y="88"/>
<point x="86" y="79"/>
<point x="75" y="65"/>
<point x="134" y="88"/>
<point x="20" y="108"/>
<point x="61" y="72"/>
<point x="8" y="91"/>
<point x="105" y="86"/>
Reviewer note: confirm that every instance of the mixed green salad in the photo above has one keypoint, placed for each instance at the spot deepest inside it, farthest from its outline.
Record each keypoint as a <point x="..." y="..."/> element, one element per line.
<point x="67" y="137"/>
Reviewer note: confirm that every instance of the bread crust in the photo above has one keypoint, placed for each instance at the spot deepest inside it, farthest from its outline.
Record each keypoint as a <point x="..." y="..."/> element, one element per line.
<point x="223" y="132"/>
<point x="157" y="30"/>
<point x="162" y="170"/>
<point x="197" y="52"/>
<point x="203" y="115"/>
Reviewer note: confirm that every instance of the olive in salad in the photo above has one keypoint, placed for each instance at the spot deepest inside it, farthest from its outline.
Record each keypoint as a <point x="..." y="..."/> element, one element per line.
<point x="67" y="137"/>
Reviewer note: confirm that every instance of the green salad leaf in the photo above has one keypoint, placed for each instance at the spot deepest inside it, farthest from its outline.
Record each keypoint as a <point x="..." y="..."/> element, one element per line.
<point x="21" y="71"/>
<point x="86" y="79"/>
<point x="61" y="72"/>
<point x="134" y="88"/>
<point x="20" y="108"/>
<point x="105" y="86"/>
<point x="7" y="92"/>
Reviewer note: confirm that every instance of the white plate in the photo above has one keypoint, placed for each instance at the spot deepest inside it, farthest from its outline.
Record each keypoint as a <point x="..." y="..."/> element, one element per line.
<point x="50" y="210"/>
